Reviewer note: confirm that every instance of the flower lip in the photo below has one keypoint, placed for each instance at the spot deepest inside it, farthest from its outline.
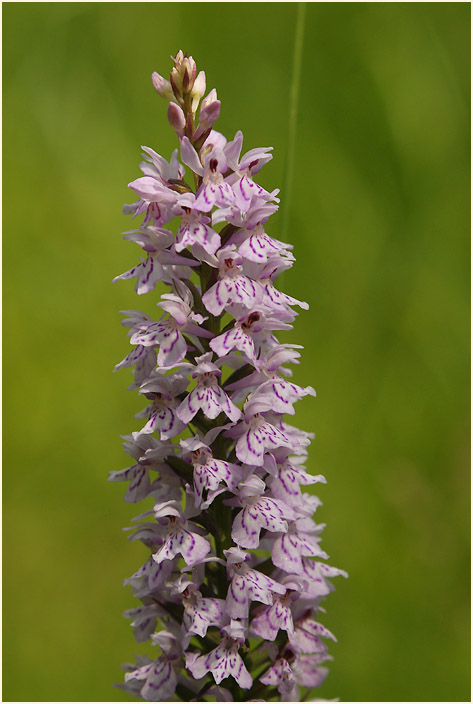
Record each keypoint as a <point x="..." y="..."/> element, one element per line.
<point x="253" y="318"/>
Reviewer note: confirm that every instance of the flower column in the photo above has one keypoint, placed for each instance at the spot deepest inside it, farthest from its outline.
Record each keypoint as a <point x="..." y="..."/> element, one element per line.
<point x="234" y="578"/>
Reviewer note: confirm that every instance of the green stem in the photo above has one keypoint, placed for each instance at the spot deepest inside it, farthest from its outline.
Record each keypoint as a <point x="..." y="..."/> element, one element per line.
<point x="208" y="277"/>
<point x="226" y="232"/>
<point x="182" y="469"/>
<point x="204" y="689"/>
<point x="199" y="306"/>
<point x="294" y="104"/>
<point x="240" y="373"/>
<point x="205" y="520"/>
<point x="266" y="567"/>
<point x="184" y="693"/>
<point x="261" y="689"/>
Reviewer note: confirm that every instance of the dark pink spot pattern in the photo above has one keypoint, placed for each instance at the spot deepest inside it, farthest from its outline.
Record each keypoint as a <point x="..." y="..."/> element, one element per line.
<point x="277" y="616"/>
<point x="160" y="680"/>
<point x="260" y="437"/>
<point x="249" y="585"/>
<point x="307" y="635"/>
<point x="210" y="398"/>
<point x="224" y="661"/>
<point x="263" y="512"/>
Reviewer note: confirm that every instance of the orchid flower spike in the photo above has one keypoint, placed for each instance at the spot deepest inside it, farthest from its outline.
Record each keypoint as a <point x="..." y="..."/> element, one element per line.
<point x="232" y="585"/>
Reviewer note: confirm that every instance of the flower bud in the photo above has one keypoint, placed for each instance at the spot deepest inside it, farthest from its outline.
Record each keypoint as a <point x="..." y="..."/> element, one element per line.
<point x="210" y="98"/>
<point x="209" y="112"/>
<point x="162" y="86"/>
<point x="183" y="73"/>
<point x="198" y="90"/>
<point x="209" y="115"/>
<point x="176" y="118"/>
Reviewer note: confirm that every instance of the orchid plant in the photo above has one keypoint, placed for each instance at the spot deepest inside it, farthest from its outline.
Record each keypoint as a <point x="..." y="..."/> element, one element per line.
<point x="232" y="587"/>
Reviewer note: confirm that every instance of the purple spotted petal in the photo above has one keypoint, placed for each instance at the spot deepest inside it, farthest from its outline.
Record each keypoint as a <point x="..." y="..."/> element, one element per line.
<point x="208" y="476"/>
<point x="268" y="623"/>
<point x="173" y="348"/>
<point x="180" y="541"/>
<point x="232" y="289"/>
<point x="286" y="485"/>
<point x="210" y="194"/>
<point x="133" y="357"/>
<point x="150" y="334"/>
<point x="224" y="661"/>
<point x="195" y="232"/>
<point x="234" y="338"/>
<point x="279" y="301"/>
<point x="249" y="586"/>
<point x="163" y="419"/>
<point x="144" y="620"/>
<point x="317" y="574"/>
<point x="161" y="680"/>
<point x="264" y="513"/>
<point x="150" y="577"/>
<point x="259" y="246"/>
<point x="259" y="438"/>
<point x="290" y="549"/>
<point x="147" y="273"/>
<point x="307" y="636"/>
<point x="280" y="675"/>
<point x="245" y="189"/>
<point x="209" y="397"/>
<point x="139" y="482"/>
<point x="279" y="395"/>
<point x="307" y="672"/>
<point x="203" y="613"/>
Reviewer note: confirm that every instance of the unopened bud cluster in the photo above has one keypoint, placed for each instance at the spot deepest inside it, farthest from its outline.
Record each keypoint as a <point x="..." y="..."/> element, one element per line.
<point x="185" y="91"/>
<point x="231" y="589"/>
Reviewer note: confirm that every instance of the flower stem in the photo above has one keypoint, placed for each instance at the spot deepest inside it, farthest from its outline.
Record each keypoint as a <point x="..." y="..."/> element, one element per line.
<point x="293" y="108"/>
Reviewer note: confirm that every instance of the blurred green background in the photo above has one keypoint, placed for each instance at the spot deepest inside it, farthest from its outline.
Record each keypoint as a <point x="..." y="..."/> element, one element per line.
<point x="379" y="218"/>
